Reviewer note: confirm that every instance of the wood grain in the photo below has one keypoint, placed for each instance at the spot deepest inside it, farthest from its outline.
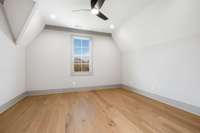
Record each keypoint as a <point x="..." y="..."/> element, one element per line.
<point x="104" y="111"/>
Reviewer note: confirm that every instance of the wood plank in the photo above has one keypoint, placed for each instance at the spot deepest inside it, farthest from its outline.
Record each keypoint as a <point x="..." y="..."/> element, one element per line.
<point x="104" y="111"/>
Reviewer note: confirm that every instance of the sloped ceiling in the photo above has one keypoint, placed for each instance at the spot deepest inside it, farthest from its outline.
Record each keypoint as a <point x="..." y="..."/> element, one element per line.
<point x="17" y="14"/>
<point x="117" y="10"/>
<point x="162" y="21"/>
<point x="35" y="24"/>
<point x="139" y="23"/>
<point x="24" y="20"/>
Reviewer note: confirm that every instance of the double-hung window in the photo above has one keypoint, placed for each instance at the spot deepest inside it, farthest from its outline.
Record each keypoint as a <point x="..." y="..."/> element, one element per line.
<point x="81" y="55"/>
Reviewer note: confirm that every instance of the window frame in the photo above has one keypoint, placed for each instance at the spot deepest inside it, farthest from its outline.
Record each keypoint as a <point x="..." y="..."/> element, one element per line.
<point x="90" y="72"/>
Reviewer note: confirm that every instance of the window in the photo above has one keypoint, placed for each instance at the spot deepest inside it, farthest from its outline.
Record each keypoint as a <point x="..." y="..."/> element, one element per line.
<point x="81" y="55"/>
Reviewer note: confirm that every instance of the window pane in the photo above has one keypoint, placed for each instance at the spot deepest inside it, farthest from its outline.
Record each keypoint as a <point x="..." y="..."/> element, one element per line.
<point x="77" y="60"/>
<point x="85" y="43"/>
<point x="77" y="43"/>
<point x="85" y="51"/>
<point x="77" y="67"/>
<point x="77" y="51"/>
<point x="85" y="67"/>
<point x="85" y="60"/>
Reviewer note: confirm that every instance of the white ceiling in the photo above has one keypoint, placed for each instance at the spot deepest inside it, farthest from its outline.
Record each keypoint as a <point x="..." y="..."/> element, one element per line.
<point x="118" y="12"/>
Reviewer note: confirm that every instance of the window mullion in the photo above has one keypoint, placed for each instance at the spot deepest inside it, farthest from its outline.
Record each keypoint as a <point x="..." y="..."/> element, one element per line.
<point x="81" y="54"/>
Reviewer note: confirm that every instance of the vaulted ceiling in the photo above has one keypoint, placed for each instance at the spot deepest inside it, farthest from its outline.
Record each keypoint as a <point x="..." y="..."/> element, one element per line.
<point x="138" y="23"/>
<point x="118" y="12"/>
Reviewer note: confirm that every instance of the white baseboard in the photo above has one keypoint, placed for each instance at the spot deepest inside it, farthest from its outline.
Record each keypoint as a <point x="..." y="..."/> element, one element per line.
<point x="177" y="104"/>
<point x="55" y="91"/>
<point x="12" y="102"/>
<point x="171" y="102"/>
<point x="15" y="100"/>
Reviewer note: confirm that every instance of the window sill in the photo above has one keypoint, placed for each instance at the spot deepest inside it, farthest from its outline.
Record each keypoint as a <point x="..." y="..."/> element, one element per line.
<point x="81" y="73"/>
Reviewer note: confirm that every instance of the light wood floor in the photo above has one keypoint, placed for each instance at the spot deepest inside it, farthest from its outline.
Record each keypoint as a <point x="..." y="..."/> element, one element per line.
<point x="105" y="111"/>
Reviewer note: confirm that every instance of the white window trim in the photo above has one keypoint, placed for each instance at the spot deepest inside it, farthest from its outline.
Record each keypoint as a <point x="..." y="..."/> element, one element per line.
<point x="90" y="56"/>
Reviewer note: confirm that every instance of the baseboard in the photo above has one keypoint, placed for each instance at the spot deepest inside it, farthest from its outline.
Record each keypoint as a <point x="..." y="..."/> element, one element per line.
<point x="177" y="104"/>
<point x="55" y="91"/>
<point x="15" y="100"/>
<point x="12" y="102"/>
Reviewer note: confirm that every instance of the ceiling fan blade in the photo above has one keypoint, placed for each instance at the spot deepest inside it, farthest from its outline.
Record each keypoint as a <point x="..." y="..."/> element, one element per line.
<point x="100" y="3"/>
<point x="93" y="3"/>
<point x="102" y="16"/>
<point x="81" y="10"/>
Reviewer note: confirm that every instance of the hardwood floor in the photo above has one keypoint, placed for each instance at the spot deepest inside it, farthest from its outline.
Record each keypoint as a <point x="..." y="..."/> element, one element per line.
<point x="105" y="111"/>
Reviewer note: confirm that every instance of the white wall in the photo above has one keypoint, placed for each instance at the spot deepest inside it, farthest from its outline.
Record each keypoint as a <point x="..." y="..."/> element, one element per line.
<point x="170" y="70"/>
<point x="49" y="61"/>
<point x="12" y="67"/>
<point x="161" y="50"/>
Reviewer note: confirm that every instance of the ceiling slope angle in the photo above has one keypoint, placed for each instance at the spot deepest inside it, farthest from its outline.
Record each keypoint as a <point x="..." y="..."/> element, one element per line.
<point x="117" y="11"/>
<point x="159" y="23"/>
<point x="24" y="20"/>
<point x="28" y="18"/>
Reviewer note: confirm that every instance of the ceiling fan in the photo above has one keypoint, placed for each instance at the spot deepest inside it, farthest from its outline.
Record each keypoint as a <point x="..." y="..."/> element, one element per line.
<point x="96" y="5"/>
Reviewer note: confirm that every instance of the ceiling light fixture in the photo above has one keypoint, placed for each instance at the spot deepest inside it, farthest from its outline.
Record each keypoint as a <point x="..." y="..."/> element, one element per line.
<point x="112" y="26"/>
<point x="52" y="16"/>
<point x="95" y="11"/>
